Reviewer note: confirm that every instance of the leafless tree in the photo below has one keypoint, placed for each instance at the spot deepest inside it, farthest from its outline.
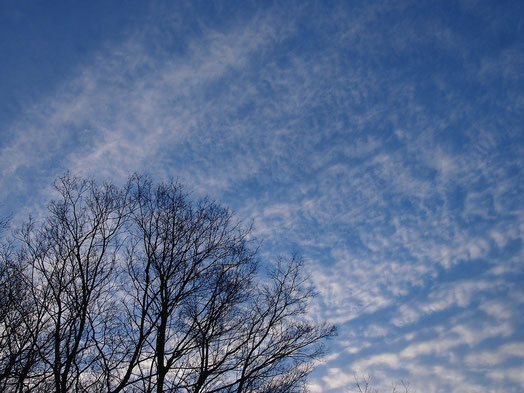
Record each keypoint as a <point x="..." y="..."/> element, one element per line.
<point x="364" y="384"/>
<point x="264" y="344"/>
<point x="142" y="289"/>
<point x="20" y="320"/>
<point x="15" y="328"/>
<point x="72" y="258"/>
<point x="203" y="322"/>
<point x="180" y="254"/>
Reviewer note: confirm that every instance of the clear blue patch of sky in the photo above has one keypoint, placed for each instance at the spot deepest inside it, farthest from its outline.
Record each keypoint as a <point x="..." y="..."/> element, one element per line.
<point x="42" y="43"/>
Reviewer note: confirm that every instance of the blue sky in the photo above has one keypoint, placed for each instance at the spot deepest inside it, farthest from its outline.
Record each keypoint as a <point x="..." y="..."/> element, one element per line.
<point x="382" y="140"/>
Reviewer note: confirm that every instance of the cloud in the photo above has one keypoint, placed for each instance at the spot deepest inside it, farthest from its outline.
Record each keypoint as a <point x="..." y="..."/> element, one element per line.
<point x="486" y="360"/>
<point x="459" y="293"/>
<point x="513" y="373"/>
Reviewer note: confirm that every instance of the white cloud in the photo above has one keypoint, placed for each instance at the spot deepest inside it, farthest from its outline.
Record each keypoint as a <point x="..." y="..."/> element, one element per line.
<point x="514" y="373"/>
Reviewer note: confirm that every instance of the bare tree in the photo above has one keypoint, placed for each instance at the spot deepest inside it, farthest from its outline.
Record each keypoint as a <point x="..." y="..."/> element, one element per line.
<point x="177" y="251"/>
<point x="16" y="353"/>
<point x="142" y="289"/>
<point x="19" y="318"/>
<point x="364" y="384"/>
<point x="72" y="258"/>
<point x="206" y="326"/>
<point x="263" y="344"/>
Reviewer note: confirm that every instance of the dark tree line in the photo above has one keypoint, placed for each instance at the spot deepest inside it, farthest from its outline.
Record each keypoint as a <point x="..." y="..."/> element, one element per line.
<point x="142" y="289"/>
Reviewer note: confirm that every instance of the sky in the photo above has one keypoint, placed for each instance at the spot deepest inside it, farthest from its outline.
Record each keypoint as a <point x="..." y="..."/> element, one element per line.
<point x="381" y="140"/>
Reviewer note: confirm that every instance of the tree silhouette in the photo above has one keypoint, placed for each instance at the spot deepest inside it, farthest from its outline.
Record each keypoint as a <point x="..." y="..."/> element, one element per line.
<point x="364" y="384"/>
<point x="142" y="289"/>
